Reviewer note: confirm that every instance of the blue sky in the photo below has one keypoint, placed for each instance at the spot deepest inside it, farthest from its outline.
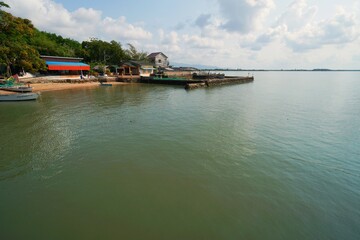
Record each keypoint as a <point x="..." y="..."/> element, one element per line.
<point x="225" y="33"/>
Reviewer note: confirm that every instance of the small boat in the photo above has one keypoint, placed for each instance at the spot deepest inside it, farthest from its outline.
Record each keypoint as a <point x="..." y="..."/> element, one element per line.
<point x="22" y="89"/>
<point x="19" y="97"/>
<point x="105" y="84"/>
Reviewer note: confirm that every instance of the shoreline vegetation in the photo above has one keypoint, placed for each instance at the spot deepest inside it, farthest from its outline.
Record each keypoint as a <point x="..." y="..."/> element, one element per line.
<point x="66" y="82"/>
<point x="23" y="45"/>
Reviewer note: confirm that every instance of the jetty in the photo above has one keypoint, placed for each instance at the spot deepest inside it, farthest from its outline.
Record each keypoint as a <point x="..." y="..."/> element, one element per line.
<point x="191" y="81"/>
<point x="218" y="81"/>
<point x="186" y="79"/>
<point x="169" y="80"/>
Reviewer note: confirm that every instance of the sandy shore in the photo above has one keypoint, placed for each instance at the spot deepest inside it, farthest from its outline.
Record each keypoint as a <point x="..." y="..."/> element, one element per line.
<point x="45" y="87"/>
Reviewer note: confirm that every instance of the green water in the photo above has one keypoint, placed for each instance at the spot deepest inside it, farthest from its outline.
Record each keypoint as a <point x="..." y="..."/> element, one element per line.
<point x="278" y="158"/>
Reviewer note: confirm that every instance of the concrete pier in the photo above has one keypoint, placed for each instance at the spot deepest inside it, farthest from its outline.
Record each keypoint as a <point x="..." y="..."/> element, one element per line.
<point x="220" y="81"/>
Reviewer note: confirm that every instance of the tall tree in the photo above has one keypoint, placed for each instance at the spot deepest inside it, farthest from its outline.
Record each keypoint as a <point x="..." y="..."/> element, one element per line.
<point x="98" y="51"/>
<point x="55" y="45"/>
<point x="134" y="54"/>
<point x="2" y="4"/>
<point x="16" y="52"/>
<point x="21" y="45"/>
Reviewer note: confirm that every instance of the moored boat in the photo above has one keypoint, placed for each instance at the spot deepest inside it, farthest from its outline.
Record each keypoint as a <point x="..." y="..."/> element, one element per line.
<point x="19" y="97"/>
<point x="105" y="84"/>
<point x="22" y="89"/>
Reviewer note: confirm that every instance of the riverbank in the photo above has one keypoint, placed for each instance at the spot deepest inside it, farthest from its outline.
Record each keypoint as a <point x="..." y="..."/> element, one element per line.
<point x="45" y="87"/>
<point x="56" y="83"/>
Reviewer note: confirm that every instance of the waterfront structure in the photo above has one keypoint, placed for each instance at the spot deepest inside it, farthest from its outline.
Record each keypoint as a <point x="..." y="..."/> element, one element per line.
<point x="65" y="65"/>
<point x="158" y="59"/>
<point x="135" y="68"/>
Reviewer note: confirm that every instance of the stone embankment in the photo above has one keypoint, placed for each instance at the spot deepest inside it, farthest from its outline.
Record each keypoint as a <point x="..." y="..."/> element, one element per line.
<point x="220" y="81"/>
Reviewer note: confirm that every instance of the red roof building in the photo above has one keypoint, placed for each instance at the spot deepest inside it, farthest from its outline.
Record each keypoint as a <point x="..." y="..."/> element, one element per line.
<point x="54" y="63"/>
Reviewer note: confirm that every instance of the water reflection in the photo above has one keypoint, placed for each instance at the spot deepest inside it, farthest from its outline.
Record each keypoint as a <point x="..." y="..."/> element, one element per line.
<point x="33" y="139"/>
<point x="227" y="159"/>
<point x="37" y="136"/>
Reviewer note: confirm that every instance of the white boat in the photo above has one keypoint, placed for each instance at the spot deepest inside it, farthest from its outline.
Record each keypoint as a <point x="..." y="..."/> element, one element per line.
<point x="17" y="88"/>
<point x="19" y="97"/>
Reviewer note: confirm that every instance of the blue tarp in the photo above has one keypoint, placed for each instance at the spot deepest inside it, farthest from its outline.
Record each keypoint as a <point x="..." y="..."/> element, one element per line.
<point x="49" y="63"/>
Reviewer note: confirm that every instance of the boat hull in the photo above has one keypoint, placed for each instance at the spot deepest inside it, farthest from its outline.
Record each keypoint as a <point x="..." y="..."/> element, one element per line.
<point x="17" y="89"/>
<point x="19" y="97"/>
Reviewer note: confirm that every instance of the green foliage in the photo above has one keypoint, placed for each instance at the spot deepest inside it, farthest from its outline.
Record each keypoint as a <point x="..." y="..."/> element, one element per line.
<point x="135" y="54"/>
<point x="2" y="4"/>
<point x="15" y="49"/>
<point x="103" y="52"/>
<point x="54" y="45"/>
<point x="21" y="45"/>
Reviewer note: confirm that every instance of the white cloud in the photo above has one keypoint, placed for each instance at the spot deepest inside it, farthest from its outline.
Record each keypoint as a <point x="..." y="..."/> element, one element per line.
<point x="80" y="24"/>
<point x="257" y="43"/>
<point x="290" y="41"/>
<point x="233" y="33"/>
<point x="300" y="32"/>
<point x="244" y="15"/>
<point x="88" y="15"/>
<point x="297" y="15"/>
<point x="341" y="29"/>
<point x="202" y="42"/>
<point x="170" y="39"/>
<point x="168" y="42"/>
<point x="120" y="29"/>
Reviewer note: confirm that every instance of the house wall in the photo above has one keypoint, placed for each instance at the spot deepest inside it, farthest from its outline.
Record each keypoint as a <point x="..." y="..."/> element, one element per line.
<point x="135" y="71"/>
<point x="161" y="61"/>
<point x="129" y="70"/>
<point x="146" y="71"/>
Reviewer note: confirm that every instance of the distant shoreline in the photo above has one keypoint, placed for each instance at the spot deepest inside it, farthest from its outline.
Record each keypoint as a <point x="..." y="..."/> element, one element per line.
<point x="279" y="70"/>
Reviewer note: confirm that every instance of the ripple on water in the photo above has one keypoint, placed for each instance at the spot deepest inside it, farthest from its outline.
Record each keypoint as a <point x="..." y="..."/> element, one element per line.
<point x="281" y="153"/>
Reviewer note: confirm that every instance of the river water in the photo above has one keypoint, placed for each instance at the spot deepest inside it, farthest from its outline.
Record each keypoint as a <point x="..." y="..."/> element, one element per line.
<point x="278" y="158"/>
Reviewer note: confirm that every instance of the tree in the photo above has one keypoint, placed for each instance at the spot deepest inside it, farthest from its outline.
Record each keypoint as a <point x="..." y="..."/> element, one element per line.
<point x="102" y="52"/>
<point x="21" y="45"/>
<point x="117" y="53"/>
<point x="134" y="54"/>
<point x="16" y="52"/>
<point x="2" y="4"/>
<point x="55" y="45"/>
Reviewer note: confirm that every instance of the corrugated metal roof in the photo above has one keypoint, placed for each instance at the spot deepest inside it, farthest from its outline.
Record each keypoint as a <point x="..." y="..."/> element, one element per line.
<point x="52" y="65"/>
<point x="66" y="63"/>
<point x="152" y="55"/>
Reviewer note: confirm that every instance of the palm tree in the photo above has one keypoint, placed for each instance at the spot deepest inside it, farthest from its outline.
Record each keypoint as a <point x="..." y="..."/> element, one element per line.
<point x="134" y="54"/>
<point x="2" y="4"/>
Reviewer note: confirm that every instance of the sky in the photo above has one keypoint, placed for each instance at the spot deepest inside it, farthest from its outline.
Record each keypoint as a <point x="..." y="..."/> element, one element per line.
<point x="244" y="34"/>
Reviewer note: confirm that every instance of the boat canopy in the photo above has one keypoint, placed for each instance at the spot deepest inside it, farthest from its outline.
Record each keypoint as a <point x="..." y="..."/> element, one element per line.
<point x="52" y="65"/>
